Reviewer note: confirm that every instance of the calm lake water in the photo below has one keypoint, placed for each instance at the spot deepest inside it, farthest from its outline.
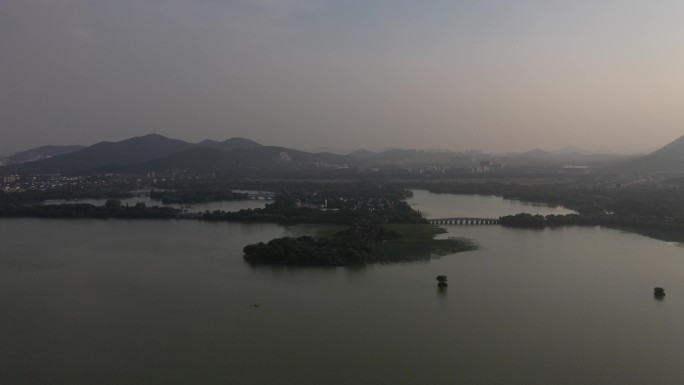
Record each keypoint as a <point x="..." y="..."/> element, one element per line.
<point x="172" y="302"/>
<point x="479" y="206"/>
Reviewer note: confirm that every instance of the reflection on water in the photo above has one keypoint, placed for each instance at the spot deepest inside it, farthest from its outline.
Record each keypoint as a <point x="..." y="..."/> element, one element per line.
<point x="481" y="206"/>
<point x="172" y="302"/>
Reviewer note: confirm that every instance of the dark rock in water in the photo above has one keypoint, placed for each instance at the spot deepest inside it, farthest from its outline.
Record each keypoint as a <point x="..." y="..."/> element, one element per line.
<point x="659" y="292"/>
<point x="442" y="284"/>
<point x="442" y="278"/>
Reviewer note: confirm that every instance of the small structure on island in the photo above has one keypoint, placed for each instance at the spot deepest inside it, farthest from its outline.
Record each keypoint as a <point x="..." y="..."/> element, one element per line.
<point x="442" y="281"/>
<point x="659" y="292"/>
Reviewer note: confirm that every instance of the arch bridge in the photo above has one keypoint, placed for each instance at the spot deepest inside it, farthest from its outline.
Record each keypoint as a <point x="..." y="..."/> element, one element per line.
<point x="464" y="221"/>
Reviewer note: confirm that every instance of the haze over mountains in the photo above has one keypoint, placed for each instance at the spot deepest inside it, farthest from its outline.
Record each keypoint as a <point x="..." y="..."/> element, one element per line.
<point x="42" y="152"/>
<point x="156" y="152"/>
<point x="668" y="159"/>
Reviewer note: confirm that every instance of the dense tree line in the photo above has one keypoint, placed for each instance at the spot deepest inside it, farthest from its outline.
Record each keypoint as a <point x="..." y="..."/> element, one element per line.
<point x="352" y="246"/>
<point x="637" y="207"/>
<point x="632" y="222"/>
<point x="523" y="220"/>
<point x="111" y="209"/>
<point x="296" y="203"/>
<point x="539" y="221"/>
<point x="286" y="210"/>
<point x="196" y="195"/>
<point x="84" y="192"/>
<point x="349" y="188"/>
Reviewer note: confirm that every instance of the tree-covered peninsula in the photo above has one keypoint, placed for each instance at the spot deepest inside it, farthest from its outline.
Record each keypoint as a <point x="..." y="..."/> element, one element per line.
<point x="367" y="241"/>
<point x="383" y="228"/>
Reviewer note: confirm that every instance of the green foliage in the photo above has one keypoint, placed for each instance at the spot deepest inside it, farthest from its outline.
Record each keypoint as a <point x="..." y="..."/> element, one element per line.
<point x="365" y="242"/>
<point x="523" y="220"/>
<point x="112" y="204"/>
<point x="289" y="209"/>
<point x="111" y="209"/>
<point x="196" y="195"/>
<point x="297" y="203"/>
<point x="84" y="192"/>
<point x="351" y="246"/>
<point x="657" y="212"/>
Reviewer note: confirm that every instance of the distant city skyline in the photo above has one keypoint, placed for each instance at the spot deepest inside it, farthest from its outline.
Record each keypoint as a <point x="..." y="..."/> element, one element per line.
<point x="497" y="76"/>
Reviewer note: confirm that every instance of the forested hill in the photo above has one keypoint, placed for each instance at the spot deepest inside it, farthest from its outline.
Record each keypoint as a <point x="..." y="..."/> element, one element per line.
<point x="157" y="153"/>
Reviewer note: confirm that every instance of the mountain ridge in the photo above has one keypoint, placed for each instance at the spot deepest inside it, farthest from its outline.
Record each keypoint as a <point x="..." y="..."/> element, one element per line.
<point x="154" y="151"/>
<point x="42" y="152"/>
<point x="668" y="159"/>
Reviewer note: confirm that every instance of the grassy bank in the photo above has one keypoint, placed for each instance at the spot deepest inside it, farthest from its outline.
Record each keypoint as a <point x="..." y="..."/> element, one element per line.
<point x="418" y="243"/>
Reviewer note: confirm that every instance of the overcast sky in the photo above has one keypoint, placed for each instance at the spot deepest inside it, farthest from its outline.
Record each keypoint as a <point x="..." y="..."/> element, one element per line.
<point x="493" y="75"/>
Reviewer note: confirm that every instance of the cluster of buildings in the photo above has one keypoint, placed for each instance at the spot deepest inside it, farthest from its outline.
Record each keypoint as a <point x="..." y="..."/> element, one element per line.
<point x="621" y="182"/>
<point x="481" y="167"/>
<point x="333" y="204"/>
<point x="17" y="183"/>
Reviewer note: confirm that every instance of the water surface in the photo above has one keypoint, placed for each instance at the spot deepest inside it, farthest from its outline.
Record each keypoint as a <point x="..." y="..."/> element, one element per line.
<point x="481" y="206"/>
<point x="172" y="302"/>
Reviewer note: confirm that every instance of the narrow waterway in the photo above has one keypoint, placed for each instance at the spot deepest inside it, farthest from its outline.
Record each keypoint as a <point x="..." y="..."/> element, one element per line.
<point x="480" y="206"/>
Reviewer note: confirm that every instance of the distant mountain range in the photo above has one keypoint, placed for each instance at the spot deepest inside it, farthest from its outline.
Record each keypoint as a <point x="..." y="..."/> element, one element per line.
<point x="156" y="153"/>
<point x="230" y="144"/>
<point x="362" y="153"/>
<point x="241" y="160"/>
<point x="243" y="156"/>
<point x="105" y="156"/>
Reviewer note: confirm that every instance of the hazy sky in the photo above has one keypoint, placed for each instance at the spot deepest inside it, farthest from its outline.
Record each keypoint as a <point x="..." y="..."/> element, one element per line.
<point x="493" y="75"/>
